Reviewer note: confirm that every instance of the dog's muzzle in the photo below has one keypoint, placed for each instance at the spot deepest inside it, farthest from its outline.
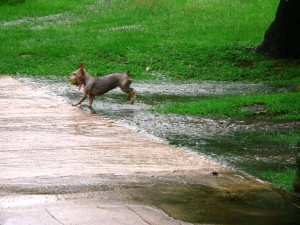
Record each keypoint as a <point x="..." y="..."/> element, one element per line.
<point x="73" y="80"/>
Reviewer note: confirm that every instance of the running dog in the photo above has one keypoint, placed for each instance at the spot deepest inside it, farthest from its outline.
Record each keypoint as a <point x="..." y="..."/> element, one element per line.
<point x="101" y="85"/>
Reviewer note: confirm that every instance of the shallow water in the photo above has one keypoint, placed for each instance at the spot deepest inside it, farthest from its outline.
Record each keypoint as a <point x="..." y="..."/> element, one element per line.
<point x="250" y="146"/>
<point x="208" y="205"/>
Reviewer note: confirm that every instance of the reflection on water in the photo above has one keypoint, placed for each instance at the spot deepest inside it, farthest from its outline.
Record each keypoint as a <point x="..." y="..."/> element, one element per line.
<point x="207" y="205"/>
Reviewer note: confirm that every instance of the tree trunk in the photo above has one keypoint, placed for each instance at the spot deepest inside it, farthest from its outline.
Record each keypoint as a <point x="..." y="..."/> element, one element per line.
<point x="282" y="39"/>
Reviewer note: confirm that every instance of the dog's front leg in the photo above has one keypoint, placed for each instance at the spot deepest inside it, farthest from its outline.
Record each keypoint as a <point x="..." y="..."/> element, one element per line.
<point x="84" y="96"/>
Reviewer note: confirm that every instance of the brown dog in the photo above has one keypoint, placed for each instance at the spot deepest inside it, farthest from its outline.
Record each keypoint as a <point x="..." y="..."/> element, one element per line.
<point x="101" y="85"/>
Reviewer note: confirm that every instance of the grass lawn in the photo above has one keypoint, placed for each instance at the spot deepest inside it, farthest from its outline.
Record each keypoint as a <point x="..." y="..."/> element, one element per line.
<point x="278" y="106"/>
<point x="173" y="40"/>
<point x="283" y="179"/>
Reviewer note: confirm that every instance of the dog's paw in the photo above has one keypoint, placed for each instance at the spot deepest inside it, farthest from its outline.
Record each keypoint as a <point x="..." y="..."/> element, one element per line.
<point x="132" y="98"/>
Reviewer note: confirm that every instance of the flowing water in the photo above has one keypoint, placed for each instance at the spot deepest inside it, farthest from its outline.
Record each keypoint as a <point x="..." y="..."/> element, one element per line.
<point x="253" y="147"/>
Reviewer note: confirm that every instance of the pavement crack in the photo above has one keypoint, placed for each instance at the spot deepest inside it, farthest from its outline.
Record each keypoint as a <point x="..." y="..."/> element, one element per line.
<point x="53" y="216"/>
<point x="130" y="209"/>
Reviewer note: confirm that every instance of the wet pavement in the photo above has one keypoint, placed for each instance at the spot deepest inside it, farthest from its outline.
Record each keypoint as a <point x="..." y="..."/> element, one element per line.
<point x="65" y="165"/>
<point x="255" y="145"/>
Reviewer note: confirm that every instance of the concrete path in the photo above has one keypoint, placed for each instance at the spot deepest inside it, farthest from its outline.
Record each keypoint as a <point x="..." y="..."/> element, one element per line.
<point x="61" y="165"/>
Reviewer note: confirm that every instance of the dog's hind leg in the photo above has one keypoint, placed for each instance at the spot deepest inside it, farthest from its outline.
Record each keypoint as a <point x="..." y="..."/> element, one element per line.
<point x="131" y="93"/>
<point x="91" y="99"/>
<point x="132" y="96"/>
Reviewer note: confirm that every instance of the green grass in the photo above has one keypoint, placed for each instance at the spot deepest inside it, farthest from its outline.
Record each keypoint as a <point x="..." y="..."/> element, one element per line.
<point x="283" y="179"/>
<point x="281" y="106"/>
<point x="179" y="40"/>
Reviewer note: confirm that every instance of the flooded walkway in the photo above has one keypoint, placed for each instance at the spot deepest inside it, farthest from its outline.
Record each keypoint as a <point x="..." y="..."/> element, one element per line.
<point x="62" y="165"/>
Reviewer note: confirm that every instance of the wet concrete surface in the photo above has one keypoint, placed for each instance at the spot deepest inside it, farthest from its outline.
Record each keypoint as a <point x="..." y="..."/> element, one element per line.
<point x="254" y="146"/>
<point x="66" y="165"/>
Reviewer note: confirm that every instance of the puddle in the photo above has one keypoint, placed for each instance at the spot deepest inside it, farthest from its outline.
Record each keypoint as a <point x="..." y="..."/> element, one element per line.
<point x="207" y="205"/>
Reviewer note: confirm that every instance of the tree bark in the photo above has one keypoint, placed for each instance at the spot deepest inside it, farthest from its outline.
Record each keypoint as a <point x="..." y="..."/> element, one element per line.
<point x="282" y="39"/>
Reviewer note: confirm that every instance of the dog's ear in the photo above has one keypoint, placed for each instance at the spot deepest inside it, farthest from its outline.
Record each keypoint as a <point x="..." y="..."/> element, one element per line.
<point x="82" y="66"/>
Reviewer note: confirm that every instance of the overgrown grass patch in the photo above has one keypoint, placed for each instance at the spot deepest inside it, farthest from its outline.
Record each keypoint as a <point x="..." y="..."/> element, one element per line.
<point x="277" y="105"/>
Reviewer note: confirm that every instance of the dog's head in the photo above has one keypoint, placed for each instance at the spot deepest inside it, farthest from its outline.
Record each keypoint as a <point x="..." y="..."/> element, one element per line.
<point x="77" y="77"/>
